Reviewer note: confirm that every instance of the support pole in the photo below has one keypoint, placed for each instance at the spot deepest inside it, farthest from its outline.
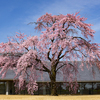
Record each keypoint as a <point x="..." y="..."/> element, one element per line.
<point x="7" y="87"/>
<point x="81" y="88"/>
<point x="44" y="89"/>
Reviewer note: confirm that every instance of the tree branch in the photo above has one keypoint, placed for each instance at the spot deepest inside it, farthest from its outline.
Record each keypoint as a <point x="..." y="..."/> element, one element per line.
<point x="67" y="52"/>
<point x="60" y="67"/>
<point x="81" y="52"/>
<point x="85" y="42"/>
<point x="48" y="54"/>
<point x="41" y="70"/>
<point x="38" y="60"/>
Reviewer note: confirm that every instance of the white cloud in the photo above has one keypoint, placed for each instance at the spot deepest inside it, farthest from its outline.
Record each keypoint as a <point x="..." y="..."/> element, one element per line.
<point x="96" y="27"/>
<point x="64" y="7"/>
<point x="69" y="6"/>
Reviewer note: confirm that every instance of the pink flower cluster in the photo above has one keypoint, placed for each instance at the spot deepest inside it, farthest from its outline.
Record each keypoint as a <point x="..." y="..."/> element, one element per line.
<point x="60" y="41"/>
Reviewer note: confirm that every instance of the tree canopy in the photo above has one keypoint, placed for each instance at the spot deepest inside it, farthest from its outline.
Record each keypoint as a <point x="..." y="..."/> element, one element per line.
<point x="65" y="39"/>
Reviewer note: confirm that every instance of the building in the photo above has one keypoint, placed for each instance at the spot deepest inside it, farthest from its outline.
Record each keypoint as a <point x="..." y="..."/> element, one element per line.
<point x="88" y="84"/>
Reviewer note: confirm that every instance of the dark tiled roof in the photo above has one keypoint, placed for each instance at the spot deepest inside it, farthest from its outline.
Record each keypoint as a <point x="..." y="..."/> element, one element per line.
<point x="82" y="76"/>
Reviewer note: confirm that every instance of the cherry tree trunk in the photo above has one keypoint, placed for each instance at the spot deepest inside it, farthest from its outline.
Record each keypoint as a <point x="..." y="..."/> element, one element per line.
<point x="53" y="82"/>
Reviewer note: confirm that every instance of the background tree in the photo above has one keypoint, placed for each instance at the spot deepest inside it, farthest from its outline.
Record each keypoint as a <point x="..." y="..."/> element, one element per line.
<point x="65" y="39"/>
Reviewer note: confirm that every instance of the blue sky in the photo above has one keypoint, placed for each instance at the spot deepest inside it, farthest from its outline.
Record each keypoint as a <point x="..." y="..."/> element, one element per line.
<point x="16" y="14"/>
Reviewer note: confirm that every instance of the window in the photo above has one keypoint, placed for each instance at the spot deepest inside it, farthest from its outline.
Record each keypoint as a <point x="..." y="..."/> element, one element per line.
<point x="2" y="87"/>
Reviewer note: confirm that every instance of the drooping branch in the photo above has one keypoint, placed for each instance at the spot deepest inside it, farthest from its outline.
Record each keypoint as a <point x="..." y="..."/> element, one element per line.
<point x="19" y="44"/>
<point x="67" y="52"/>
<point x="60" y="67"/>
<point x="64" y="65"/>
<point x="85" y="42"/>
<point x="46" y="69"/>
<point x="39" y="68"/>
<point x="81" y="52"/>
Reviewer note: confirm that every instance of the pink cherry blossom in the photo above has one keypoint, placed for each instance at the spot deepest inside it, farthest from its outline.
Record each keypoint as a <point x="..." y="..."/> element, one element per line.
<point x="65" y="39"/>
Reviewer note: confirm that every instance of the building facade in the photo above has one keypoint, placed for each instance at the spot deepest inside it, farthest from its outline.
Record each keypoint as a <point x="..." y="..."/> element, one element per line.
<point x="88" y="83"/>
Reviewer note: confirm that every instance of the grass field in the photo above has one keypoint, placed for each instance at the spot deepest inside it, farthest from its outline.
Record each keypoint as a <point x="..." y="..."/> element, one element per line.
<point x="40" y="97"/>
